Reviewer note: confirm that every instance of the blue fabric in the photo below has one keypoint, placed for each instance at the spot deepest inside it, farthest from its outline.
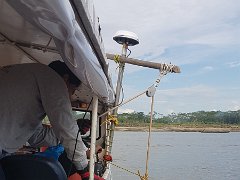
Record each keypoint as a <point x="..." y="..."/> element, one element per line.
<point x="3" y="153"/>
<point x="52" y="152"/>
<point x="2" y="176"/>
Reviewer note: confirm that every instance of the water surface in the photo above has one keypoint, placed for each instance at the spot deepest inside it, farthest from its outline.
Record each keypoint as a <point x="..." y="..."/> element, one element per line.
<point x="178" y="155"/>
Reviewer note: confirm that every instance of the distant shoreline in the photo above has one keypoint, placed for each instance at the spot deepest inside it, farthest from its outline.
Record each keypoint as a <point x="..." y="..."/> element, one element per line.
<point x="182" y="129"/>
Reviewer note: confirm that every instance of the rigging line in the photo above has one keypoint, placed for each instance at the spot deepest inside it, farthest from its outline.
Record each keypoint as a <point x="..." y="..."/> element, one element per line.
<point x="125" y="102"/>
<point x="48" y="43"/>
<point x="124" y="169"/>
<point x="75" y="146"/>
<point x="162" y="74"/>
<point x="122" y="96"/>
<point x="149" y="137"/>
<point x="129" y="52"/>
<point x="145" y="176"/>
<point x="14" y="44"/>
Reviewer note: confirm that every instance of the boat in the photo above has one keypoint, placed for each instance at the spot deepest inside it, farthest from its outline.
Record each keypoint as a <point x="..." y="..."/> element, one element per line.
<point x="44" y="31"/>
<point x="69" y="31"/>
<point x="216" y="130"/>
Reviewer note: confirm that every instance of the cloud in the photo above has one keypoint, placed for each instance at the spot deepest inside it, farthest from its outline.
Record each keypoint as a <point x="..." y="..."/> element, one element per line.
<point x="176" y="23"/>
<point x="198" y="90"/>
<point x="234" y="105"/>
<point x="207" y="68"/>
<point x="180" y="32"/>
<point x="187" y="99"/>
<point x="121" y="111"/>
<point x="172" y="100"/>
<point x="185" y="33"/>
<point x="235" y="108"/>
<point x="233" y="64"/>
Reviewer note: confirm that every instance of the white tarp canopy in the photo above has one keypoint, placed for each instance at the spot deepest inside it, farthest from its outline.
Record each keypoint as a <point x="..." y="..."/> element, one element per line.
<point x="57" y="19"/>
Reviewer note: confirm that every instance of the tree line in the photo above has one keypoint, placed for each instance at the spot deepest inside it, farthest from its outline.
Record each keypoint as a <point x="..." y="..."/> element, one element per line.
<point x="199" y="117"/>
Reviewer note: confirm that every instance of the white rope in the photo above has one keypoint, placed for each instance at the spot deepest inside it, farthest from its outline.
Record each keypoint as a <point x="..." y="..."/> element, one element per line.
<point x="145" y="176"/>
<point x="149" y="138"/>
<point x="162" y="73"/>
<point x="166" y="67"/>
<point x="125" y="102"/>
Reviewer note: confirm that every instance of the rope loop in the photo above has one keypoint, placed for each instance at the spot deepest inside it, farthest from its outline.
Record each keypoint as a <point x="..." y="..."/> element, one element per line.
<point x="145" y="177"/>
<point x="116" y="58"/>
<point x="113" y="118"/>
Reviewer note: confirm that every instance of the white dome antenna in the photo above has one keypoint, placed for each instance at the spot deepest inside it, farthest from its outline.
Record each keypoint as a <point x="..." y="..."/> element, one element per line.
<point x="126" y="37"/>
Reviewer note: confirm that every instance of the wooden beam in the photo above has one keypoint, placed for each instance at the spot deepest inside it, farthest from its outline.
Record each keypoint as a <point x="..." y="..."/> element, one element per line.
<point x="138" y="62"/>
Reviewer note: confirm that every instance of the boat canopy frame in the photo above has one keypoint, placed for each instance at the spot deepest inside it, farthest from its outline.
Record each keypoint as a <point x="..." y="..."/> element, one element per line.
<point x="43" y="31"/>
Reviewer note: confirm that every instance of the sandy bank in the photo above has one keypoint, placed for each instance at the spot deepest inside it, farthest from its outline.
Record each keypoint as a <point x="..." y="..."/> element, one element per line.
<point x="182" y="129"/>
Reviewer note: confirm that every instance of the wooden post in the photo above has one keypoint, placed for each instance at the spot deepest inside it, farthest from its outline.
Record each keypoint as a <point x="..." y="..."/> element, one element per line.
<point x="138" y="62"/>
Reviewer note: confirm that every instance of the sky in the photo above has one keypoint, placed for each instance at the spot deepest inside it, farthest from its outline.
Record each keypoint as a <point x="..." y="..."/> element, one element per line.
<point x="202" y="37"/>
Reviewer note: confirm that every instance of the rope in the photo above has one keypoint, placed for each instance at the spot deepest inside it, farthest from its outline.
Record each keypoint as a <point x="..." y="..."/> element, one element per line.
<point x="45" y="49"/>
<point x="116" y="58"/>
<point x="127" y="170"/>
<point x="124" y="169"/>
<point x="162" y="73"/>
<point x="111" y="118"/>
<point x="149" y="137"/>
<point x="125" y="102"/>
<point x="145" y="176"/>
<point x="166" y="67"/>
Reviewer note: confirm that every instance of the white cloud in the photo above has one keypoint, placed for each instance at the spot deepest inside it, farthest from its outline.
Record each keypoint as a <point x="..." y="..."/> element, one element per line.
<point x="172" y="100"/>
<point x="234" y="105"/>
<point x="121" y="111"/>
<point x="235" y="108"/>
<point x="185" y="32"/>
<point x="161" y="24"/>
<point x="208" y="68"/>
<point x="170" y="111"/>
<point x="234" y="64"/>
<point x="198" y="90"/>
<point x="205" y="69"/>
<point x="217" y="38"/>
<point x="188" y="99"/>
<point x="164" y="25"/>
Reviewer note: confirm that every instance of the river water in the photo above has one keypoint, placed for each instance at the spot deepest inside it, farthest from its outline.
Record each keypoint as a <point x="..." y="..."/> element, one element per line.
<point x="178" y="155"/>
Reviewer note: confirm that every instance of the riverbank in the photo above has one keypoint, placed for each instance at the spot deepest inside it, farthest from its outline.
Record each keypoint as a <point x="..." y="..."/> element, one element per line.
<point x="182" y="129"/>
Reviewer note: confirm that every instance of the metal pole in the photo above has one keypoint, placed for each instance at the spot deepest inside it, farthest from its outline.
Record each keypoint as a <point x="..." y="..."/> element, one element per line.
<point x="120" y="77"/>
<point x="93" y="136"/>
<point x="118" y="91"/>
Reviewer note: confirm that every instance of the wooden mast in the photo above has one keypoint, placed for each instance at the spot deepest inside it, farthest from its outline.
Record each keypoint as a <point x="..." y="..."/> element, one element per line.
<point x="138" y="62"/>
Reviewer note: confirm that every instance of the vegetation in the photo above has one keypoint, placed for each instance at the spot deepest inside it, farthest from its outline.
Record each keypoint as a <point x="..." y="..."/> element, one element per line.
<point x="195" y="119"/>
